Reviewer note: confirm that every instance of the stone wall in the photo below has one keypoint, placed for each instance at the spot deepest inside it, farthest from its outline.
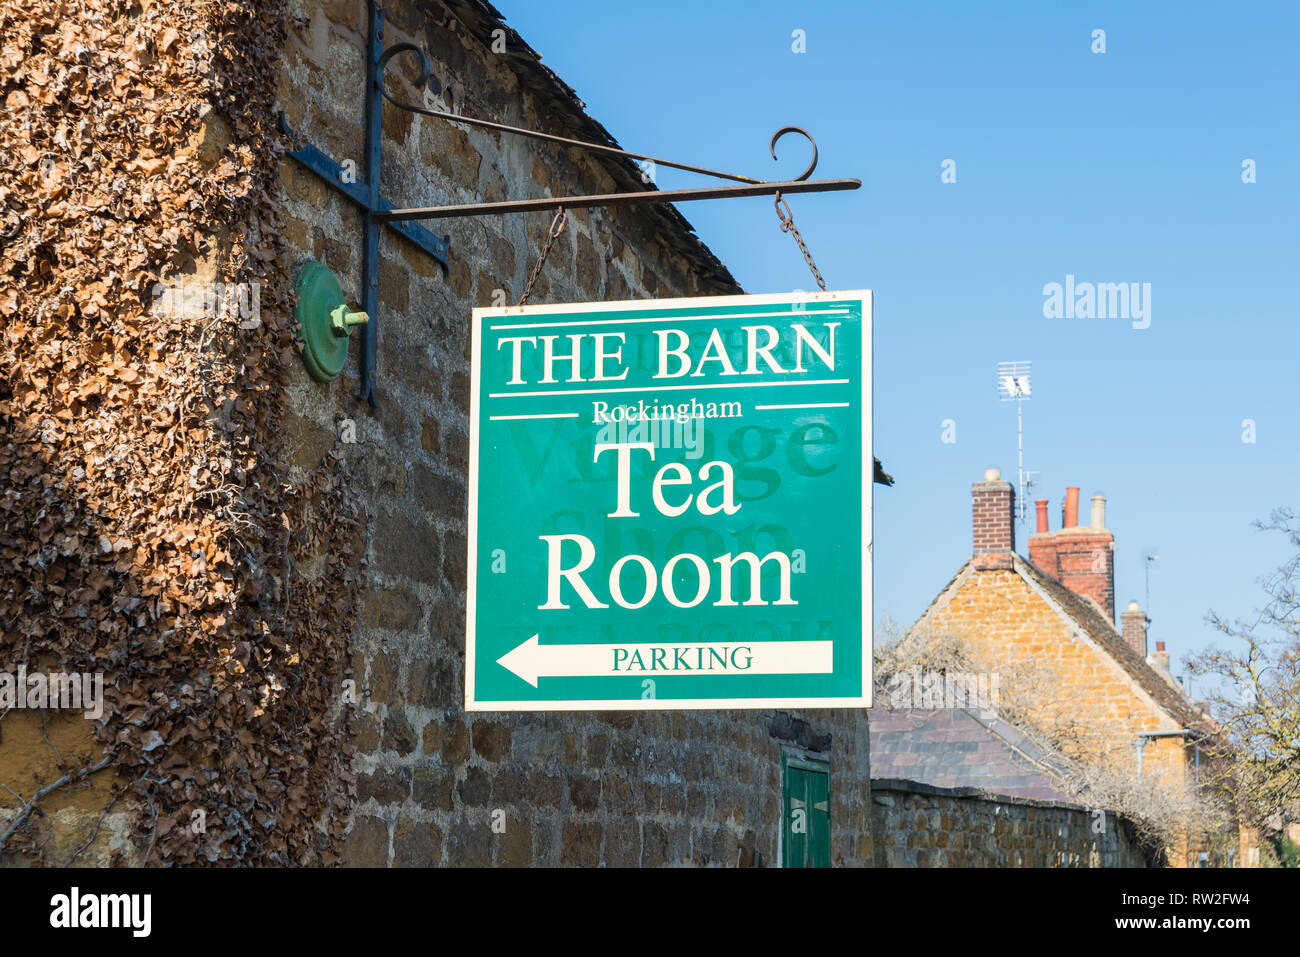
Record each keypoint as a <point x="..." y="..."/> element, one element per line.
<point x="437" y="786"/>
<point x="916" y="825"/>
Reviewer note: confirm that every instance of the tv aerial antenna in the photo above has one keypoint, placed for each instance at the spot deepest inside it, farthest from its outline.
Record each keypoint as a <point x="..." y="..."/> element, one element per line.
<point x="1013" y="386"/>
<point x="1147" y="560"/>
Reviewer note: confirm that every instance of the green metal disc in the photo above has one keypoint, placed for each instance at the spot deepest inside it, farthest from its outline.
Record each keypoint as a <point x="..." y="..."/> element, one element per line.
<point x="325" y="321"/>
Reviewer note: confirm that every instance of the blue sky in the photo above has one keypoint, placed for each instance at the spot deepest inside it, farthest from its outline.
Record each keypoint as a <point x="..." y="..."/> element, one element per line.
<point x="1123" y="166"/>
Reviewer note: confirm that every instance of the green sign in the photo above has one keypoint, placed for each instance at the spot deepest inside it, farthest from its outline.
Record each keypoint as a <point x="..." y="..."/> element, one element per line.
<point x="670" y="505"/>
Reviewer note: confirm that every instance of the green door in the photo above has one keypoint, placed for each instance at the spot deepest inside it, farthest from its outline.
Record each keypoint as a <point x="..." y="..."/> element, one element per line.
<point x="807" y="827"/>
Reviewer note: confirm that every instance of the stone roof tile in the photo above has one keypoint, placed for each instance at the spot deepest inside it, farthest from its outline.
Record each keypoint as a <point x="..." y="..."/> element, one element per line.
<point x="959" y="748"/>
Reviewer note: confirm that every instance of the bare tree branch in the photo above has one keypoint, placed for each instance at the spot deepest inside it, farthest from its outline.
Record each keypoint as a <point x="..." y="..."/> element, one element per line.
<point x="30" y="806"/>
<point x="1256" y="698"/>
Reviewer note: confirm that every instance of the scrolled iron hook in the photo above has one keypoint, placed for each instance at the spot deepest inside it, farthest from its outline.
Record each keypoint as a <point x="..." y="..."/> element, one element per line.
<point x="771" y="147"/>
<point x="426" y="76"/>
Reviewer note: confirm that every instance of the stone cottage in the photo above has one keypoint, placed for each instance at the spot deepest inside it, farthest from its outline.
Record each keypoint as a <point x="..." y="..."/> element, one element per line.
<point x="1049" y="622"/>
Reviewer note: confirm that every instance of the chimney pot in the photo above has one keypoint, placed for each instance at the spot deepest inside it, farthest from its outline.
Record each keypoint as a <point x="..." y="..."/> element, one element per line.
<point x="1041" y="503"/>
<point x="992" y="475"/>
<point x="1160" y="646"/>
<point x="1071" y="507"/>
<point x="1099" y="512"/>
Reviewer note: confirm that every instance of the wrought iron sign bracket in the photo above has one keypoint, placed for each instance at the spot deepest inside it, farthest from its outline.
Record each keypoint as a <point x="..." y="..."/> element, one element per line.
<point x="377" y="211"/>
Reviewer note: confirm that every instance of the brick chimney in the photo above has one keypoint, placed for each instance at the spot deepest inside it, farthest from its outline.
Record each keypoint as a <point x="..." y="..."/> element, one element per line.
<point x="1081" y="559"/>
<point x="1161" y="657"/>
<point x="993" y="521"/>
<point x="1134" y="628"/>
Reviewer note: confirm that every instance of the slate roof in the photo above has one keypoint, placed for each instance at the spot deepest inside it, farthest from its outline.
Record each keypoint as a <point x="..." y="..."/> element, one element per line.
<point x="961" y="747"/>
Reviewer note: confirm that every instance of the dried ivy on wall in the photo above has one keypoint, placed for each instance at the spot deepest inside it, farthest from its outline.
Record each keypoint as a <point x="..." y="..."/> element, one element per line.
<point x="148" y="529"/>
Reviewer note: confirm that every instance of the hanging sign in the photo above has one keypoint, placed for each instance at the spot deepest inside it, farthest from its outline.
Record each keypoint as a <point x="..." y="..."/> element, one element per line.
<point x="670" y="505"/>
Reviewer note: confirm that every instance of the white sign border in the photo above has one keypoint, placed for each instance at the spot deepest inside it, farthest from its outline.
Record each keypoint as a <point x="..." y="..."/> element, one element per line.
<point x="677" y="704"/>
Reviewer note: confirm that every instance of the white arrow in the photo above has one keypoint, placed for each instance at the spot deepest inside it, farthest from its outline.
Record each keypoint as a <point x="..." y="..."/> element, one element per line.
<point x="532" y="660"/>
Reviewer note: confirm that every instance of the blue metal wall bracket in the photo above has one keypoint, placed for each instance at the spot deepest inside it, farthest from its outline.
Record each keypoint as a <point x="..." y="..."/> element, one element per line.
<point x="364" y="192"/>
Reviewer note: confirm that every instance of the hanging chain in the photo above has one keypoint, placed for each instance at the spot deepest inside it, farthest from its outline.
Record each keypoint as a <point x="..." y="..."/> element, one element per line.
<point x="557" y="227"/>
<point x="562" y="217"/>
<point x="787" y="226"/>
